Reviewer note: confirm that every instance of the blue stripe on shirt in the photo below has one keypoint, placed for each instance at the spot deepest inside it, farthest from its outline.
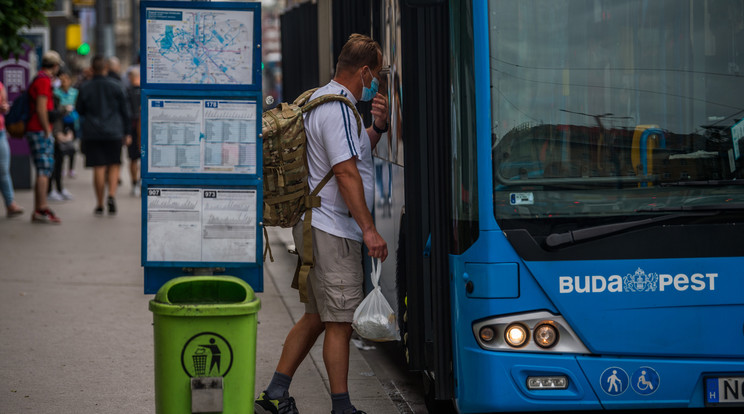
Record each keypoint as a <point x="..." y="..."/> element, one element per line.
<point x="345" y="114"/>
<point x="347" y="121"/>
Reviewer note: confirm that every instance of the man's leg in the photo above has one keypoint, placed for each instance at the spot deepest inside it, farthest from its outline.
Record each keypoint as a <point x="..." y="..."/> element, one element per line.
<point x="40" y="192"/>
<point x="300" y="340"/>
<point x="113" y="179"/>
<point x="99" y="184"/>
<point x="336" y="355"/>
<point x="42" y="150"/>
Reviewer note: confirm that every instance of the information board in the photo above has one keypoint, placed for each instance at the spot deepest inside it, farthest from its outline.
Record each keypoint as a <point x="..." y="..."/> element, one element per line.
<point x="201" y="160"/>
<point x="202" y="44"/>
<point x="191" y="224"/>
<point x="201" y="135"/>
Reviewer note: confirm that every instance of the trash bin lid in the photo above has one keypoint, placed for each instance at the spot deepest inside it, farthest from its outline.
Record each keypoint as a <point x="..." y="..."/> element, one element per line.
<point x="205" y="296"/>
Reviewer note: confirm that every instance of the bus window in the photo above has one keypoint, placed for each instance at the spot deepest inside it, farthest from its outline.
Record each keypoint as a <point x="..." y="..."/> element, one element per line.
<point x="464" y="164"/>
<point x="603" y="110"/>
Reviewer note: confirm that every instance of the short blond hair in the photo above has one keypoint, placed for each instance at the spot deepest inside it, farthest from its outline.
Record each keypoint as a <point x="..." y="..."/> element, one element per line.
<point x="360" y="50"/>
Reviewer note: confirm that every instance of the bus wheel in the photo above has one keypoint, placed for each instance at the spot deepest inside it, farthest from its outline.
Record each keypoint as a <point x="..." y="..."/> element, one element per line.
<point x="434" y="406"/>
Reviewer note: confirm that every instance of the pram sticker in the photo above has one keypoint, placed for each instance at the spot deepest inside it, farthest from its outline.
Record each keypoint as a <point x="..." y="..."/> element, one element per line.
<point x="613" y="381"/>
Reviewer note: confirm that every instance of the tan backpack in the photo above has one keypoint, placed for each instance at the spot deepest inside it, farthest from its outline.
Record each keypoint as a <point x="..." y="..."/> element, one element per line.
<point x="286" y="191"/>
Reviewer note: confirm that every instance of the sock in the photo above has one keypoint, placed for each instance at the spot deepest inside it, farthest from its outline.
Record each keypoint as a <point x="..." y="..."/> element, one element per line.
<point x="341" y="403"/>
<point x="279" y="386"/>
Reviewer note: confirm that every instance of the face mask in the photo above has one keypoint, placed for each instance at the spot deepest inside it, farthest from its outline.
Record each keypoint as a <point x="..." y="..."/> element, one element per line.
<point x="369" y="93"/>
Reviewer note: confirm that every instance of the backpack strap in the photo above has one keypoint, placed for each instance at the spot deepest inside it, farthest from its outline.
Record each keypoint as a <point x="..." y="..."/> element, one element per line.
<point x="304" y="97"/>
<point x="306" y="261"/>
<point x="309" y="106"/>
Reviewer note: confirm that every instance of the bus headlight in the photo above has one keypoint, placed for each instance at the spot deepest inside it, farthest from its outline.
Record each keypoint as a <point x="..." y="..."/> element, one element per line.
<point x="516" y="335"/>
<point x="546" y="335"/>
<point x="487" y="334"/>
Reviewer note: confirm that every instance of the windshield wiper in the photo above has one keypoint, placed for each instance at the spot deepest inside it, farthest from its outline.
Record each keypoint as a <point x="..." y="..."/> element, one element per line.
<point x="701" y="183"/>
<point x="718" y="207"/>
<point x="573" y="236"/>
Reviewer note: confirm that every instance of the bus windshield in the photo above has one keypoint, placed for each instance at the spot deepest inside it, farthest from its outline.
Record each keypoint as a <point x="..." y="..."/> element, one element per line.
<point x="607" y="110"/>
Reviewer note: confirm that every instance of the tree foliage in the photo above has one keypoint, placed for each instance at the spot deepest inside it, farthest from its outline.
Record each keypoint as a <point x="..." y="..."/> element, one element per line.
<point x="16" y="15"/>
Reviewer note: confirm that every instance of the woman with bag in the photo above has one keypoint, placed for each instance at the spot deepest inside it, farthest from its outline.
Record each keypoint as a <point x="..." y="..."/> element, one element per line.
<point x="70" y="120"/>
<point x="63" y="145"/>
<point x="6" y="184"/>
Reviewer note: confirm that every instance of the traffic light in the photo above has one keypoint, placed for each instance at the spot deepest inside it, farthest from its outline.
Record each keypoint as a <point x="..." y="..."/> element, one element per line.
<point x="75" y="40"/>
<point x="83" y="49"/>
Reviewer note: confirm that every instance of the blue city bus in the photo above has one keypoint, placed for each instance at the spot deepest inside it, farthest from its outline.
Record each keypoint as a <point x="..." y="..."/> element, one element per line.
<point x="562" y="187"/>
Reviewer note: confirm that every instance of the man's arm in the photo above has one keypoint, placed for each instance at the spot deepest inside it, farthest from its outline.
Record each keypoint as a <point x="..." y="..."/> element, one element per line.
<point x="380" y="113"/>
<point x="126" y="116"/>
<point x="4" y="107"/>
<point x="43" y="114"/>
<point x="352" y="190"/>
<point x="80" y="103"/>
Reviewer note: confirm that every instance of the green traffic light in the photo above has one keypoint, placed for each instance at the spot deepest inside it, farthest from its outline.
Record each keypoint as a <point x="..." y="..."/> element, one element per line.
<point x="83" y="49"/>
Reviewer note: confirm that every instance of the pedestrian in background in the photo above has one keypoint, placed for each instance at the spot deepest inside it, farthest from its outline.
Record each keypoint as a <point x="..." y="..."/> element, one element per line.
<point x="67" y="95"/>
<point x="113" y="65"/>
<point x="39" y="134"/>
<point x="63" y="145"/>
<point x="134" y="150"/>
<point x="106" y="124"/>
<point x="339" y="226"/>
<point x="12" y="209"/>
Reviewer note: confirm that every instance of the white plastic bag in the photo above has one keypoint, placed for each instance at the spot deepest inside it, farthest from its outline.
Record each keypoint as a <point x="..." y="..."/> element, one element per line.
<point x="374" y="319"/>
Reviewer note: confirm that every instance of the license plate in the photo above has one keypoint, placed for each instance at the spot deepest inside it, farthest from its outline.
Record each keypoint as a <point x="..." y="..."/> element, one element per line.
<point x="724" y="391"/>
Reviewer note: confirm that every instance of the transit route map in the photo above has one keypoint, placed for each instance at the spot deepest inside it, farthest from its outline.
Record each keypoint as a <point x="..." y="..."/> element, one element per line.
<point x="192" y="46"/>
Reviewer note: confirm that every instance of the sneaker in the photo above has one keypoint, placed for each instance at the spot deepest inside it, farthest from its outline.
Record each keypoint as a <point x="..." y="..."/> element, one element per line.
<point x="136" y="190"/>
<point x="111" y="204"/>
<point x="45" y="216"/>
<point x="355" y="411"/>
<point x="66" y="194"/>
<point x="14" y="210"/>
<point x="263" y="405"/>
<point x="98" y="211"/>
<point x="54" y="195"/>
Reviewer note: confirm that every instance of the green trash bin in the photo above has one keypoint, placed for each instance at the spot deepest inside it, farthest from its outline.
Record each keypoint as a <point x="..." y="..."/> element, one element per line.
<point x="205" y="345"/>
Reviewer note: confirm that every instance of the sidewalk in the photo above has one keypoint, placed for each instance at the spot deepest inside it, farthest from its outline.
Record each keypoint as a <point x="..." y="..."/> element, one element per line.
<point x="76" y="332"/>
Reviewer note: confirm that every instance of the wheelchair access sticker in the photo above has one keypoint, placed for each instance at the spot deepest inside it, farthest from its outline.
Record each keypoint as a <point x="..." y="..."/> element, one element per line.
<point x="645" y="381"/>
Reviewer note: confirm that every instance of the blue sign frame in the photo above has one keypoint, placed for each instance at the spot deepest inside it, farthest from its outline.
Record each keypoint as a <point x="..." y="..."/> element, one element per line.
<point x="147" y="95"/>
<point x="169" y="10"/>
<point x="223" y="81"/>
<point x="159" y="272"/>
<point x="211" y="185"/>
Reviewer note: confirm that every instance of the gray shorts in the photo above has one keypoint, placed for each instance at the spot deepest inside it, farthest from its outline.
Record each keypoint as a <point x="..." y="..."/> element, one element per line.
<point x="334" y="284"/>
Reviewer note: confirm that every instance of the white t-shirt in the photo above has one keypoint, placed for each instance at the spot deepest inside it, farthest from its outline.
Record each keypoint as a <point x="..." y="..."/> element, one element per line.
<point x="332" y="138"/>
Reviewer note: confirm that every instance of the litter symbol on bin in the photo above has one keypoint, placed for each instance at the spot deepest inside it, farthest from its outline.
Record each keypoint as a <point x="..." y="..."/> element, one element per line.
<point x="207" y="355"/>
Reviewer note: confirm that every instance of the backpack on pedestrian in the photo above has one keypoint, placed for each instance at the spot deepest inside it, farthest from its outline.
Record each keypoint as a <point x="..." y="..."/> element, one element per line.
<point x="286" y="191"/>
<point x="19" y="113"/>
<point x="18" y="116"/>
